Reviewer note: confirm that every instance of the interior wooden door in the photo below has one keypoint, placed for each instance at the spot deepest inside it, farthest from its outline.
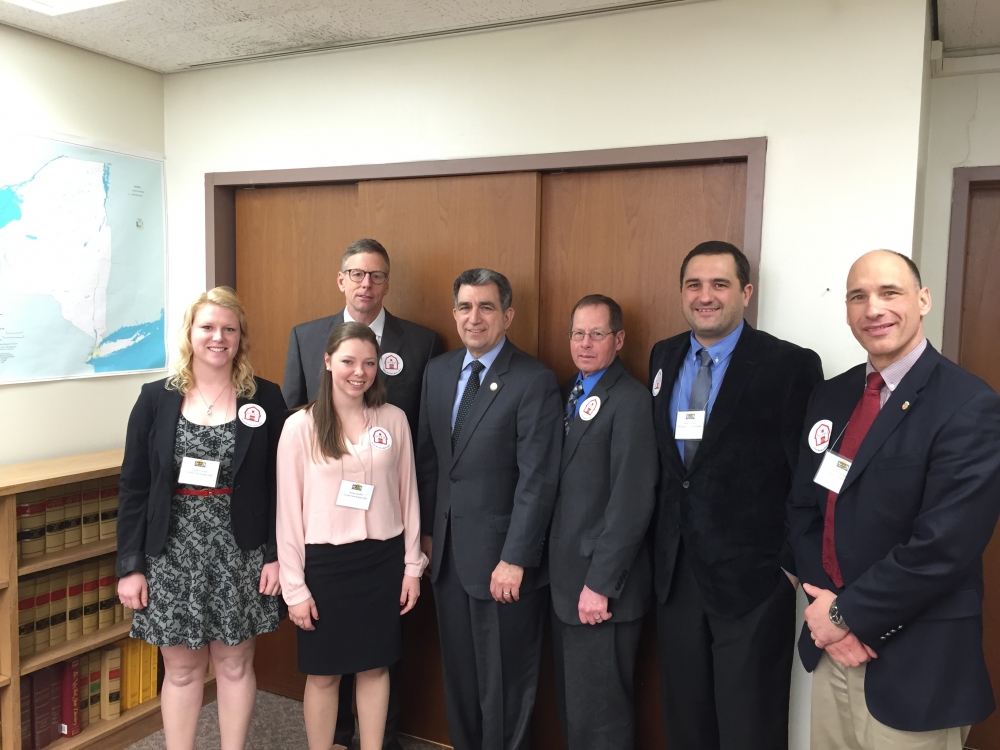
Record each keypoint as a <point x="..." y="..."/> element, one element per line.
<point x="624" y="233"/>
<point x="979" y="354"/>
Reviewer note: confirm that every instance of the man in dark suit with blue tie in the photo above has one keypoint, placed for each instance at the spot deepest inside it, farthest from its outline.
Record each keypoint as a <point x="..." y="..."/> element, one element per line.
<point x="490" y="432"/>
<point x="895" y="498"/>
<point x="728" y="406"/>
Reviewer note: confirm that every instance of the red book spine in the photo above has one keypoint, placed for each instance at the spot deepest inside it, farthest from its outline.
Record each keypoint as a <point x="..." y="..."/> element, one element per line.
<point x="70" y="724"/>
<point x="27" y="739"/>
<point x="41" y="709"/>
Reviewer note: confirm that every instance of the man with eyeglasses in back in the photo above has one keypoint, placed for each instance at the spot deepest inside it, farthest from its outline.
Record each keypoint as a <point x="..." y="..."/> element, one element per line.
<point x="405" y="349"/>
<point x="600" y="572"/>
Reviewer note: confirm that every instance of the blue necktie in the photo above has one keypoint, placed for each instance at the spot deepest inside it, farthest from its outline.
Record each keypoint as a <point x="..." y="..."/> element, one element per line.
<point x="574" y="396"/>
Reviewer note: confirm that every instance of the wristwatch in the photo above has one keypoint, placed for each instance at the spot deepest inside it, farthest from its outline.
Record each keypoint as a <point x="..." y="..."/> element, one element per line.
<point x="835" y="617"/>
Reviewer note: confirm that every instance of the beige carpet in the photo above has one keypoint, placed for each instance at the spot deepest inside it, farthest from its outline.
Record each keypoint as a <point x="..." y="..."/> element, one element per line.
<point x="277" y="723"/>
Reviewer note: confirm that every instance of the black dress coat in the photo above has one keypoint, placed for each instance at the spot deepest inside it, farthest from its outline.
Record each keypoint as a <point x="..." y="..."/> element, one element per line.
<point x="730" y="507"/>
<point x="148" y="479"/>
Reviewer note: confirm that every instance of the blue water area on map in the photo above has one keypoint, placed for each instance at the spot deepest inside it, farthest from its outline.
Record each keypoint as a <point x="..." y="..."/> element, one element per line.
<point x="147" y="353"/>
<point x="10" y="206"/>
<point x="31" y="237"/>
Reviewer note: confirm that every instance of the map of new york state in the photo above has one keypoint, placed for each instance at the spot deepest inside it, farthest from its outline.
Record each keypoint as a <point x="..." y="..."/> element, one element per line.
<point x="81" y="263"/>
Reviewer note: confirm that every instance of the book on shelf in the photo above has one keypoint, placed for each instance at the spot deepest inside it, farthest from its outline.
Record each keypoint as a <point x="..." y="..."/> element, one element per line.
<point x="26" y="617"/>
<point x="44" y="696"/>
<point x="111" y="669"/>
<point x="84" y="691"/>
<point x="69" y="725"/>
<point x="57" y="607"/>
<point x="31" y="524"/>
<point x="106" y="592"/>
<point x="41" y="612"/>
<point x="74" y="602"/>
<point x="109" y="507"/>
<point x="94" y="657"/>
<point x="90" y="511"/>
<point x="149" y="657"/>
<point x="55" y="516"/>
<point x="91" y="572"/>
<point x="72" y="524"/>
<point x="27" y="739"/>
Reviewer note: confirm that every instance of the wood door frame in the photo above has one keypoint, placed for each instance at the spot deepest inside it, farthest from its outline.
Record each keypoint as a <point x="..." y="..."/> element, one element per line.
<point x="221" y="187"/>
<point x="964" y="181"/>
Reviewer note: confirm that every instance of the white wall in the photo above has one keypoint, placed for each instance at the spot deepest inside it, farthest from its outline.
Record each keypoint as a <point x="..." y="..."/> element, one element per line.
<point x="964" y="132"/>
<point x="48" y="87"/>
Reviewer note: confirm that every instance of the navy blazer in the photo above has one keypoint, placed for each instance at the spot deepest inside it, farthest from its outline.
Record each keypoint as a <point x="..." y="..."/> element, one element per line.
<point x="913" y="517"/>
<point x="148" y="478"/>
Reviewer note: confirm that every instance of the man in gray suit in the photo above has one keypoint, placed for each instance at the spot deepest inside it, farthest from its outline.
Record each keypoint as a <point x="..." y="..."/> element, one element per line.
<point x="487" y="469"/>
<point x="405" y="348"/>
<point x="599" y="563"/>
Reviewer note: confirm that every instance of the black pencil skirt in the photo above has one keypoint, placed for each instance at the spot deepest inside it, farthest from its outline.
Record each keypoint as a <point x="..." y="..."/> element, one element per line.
<point x="356" y="588"/>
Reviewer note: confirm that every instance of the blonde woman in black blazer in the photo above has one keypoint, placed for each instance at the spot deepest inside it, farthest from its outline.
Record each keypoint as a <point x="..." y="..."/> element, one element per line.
<point x="196" y="527"/>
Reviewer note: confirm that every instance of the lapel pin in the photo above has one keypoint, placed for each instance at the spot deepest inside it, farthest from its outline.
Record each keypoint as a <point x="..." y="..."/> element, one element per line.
<point x="493" y="386"/>
<point x="906" y="405"/>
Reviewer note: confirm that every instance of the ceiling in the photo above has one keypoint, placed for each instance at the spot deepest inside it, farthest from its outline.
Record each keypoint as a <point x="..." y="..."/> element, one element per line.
<point x="173" y="35"/>
<point x="969" y="27"/>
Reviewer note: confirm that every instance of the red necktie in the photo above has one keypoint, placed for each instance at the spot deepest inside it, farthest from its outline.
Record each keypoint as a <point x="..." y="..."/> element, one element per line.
<point x="861" y="419"/>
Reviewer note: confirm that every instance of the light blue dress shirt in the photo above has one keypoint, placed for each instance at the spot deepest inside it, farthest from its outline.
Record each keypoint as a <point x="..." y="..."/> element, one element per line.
<point x="487" y="361"/>
<point x="720" y="352"/>
<point x="588" y="385"/>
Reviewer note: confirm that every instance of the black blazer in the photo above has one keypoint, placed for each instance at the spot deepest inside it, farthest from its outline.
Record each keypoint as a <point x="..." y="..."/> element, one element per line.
<point x="499" y="486"/>
<point x="913" y="517"/>
<point x="607" y="490"/>
<point x="730" y="508"/>
<point x="148" y="478"/>
<point x="415" y="344"/>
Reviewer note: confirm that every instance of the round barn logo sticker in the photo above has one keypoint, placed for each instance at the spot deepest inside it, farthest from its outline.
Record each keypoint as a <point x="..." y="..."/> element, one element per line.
<point x="380" y="438"/>
<point x="252" y="415"/>
<point x="391" y="364"/>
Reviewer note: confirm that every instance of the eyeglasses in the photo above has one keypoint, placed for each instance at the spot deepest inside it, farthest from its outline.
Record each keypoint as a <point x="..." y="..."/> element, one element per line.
<point x="594" y="335"/>
<point x="357" y="276"/>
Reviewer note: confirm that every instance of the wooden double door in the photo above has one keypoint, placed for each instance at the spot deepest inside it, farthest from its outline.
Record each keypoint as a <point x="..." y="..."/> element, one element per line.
<point x="557" y="237"/>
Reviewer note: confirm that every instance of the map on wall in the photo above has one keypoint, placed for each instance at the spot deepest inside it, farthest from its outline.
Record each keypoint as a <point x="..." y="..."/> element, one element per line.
<point x="82" y="261"/>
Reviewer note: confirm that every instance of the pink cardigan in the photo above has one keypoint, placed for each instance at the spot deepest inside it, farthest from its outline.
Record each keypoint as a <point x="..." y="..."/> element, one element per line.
<point x="307" y="495"/>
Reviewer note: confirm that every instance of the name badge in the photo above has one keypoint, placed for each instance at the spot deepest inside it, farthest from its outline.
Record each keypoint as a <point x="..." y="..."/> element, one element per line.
<point x="832" y="471"/>
<point x="690" y="425"/>
<point x="202" y="472"/>
<point x="355" y="495"/>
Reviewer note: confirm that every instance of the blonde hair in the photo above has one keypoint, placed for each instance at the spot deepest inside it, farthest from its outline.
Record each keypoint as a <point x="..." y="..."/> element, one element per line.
<point x="182" y="377"/>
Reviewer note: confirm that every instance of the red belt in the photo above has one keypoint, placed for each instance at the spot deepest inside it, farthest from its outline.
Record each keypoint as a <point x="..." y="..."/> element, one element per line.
<point x="206" y="493"/>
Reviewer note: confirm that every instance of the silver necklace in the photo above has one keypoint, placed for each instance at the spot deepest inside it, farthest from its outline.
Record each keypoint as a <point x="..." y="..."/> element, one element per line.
<point x="208" y="406"/>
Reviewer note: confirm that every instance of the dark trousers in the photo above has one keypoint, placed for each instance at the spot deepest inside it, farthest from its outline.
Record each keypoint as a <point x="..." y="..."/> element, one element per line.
<point x="595" y="667"/>
<point x="724" y="681"/>
<point x="490" y="654"/>
<point x="344" y="733"/>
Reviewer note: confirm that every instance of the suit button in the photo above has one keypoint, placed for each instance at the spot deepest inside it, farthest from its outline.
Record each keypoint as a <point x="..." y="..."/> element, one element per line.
<point x="453" y="480"/>
<point x="685" y="484"/>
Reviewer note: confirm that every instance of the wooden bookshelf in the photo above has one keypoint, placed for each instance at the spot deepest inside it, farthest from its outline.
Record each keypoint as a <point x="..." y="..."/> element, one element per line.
<point x="66" y="556"/>
<point x="4" y="680"/>
<point x="77" y="646"/>
<point x="55" y="471"/>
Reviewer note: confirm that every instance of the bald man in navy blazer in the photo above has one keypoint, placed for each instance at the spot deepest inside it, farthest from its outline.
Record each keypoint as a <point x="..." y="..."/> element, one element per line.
<point x="889" y="539"/>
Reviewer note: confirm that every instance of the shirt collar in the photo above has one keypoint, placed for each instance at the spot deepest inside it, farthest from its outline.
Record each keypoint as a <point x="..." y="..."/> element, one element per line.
<point x="377" y="326"/>
<point x="893" y="374"/>
<point x="720" y="349"/>
<point x="487" y="359"/>
<point x="592" y="378"/>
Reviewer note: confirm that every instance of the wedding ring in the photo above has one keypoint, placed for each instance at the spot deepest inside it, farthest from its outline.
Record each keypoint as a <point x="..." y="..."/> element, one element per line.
<point x="506" y="592"/>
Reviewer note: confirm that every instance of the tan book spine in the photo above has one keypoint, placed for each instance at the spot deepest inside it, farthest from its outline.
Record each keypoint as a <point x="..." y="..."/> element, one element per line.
<point x="74" y="602"/>
<point x="95" y="686"/>
<point x="26" y="617"/>
<point x="90" y="511"/>
<point x="57" y="607"/>
<point x="111" y="674"/>
<point x="71" y="524"/>
<point x="123" y="685"/>
<point x="134" y="667"/>
<point x="145" y="693"/>
<point x="91" y="603"/>
<point x="55" y="516"/>
<point x="41" y="612"/>
<point x="106" y="593"/>
<point x="109" y="507"/>
<point x="31" y="524"/>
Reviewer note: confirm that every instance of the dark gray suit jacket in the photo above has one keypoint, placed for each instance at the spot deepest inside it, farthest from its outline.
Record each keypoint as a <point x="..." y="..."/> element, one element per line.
<point x="499" y="487"/>
<point x="607" y="492"/>
<point x="415" y="344"/>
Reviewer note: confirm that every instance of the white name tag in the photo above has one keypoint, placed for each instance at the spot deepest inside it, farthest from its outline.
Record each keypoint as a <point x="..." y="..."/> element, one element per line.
<point x="355" y="495"/>
<point x="202" y="472"/>
<point x="832" y="471"/>
<point x="690" y="425"/>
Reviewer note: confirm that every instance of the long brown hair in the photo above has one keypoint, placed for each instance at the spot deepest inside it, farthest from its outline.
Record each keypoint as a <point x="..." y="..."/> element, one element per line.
<point x="329" y="437"/>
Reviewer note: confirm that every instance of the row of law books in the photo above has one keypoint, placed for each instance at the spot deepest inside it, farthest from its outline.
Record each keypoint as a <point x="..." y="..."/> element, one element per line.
<point x="66" y="603"/>
<point x="66" y="516"/>
<point x="66" y="698"/>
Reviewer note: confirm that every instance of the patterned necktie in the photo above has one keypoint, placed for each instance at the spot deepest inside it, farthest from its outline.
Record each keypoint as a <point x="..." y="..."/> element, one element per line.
<point x="471" y="389"/>
<point x="700" y="390"/>
<point x="574" y="396"/>
<point x="861" y="420"/>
